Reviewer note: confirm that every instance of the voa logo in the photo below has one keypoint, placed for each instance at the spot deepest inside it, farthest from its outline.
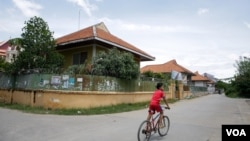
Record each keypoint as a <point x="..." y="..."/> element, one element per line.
<point x="236" y="132"/>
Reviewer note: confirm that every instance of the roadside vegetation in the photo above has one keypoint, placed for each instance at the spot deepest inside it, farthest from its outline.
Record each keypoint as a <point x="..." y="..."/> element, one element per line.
<point x="90" y="111"/>
<point x="240" y="85"/>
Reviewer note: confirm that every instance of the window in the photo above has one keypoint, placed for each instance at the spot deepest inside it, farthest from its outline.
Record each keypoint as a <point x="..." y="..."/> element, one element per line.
<point x="79" y="58"/>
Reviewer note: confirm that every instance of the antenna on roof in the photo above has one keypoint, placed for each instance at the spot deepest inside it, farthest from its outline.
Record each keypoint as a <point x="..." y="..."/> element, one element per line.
<point x="79" y="19"/>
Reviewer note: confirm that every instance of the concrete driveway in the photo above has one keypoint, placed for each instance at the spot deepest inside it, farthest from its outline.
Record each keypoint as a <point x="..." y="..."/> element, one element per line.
<point x="198" y="119"/>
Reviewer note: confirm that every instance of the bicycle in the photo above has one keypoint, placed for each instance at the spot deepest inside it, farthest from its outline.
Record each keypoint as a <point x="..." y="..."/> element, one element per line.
<point x="147" y="127"/>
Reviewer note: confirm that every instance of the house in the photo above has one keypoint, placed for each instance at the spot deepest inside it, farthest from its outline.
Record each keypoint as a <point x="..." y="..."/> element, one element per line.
<point x="2" y="53"/>
<point x="3" y="48"/>
<point x="81" y="46"/>
<point x="168" y="67"/>
<point x="7" y="51"/>
<point x="199" y="80"/>
<point x="211" y="83"/>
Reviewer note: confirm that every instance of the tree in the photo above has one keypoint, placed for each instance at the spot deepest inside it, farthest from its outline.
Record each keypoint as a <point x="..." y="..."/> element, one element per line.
<point x="242" y="77"/>
<point x="148" y="73"/>
<point x="37" y="48"/>
<point x="3" y="64"/>
<point x="116" y="64"/>
<point x="160" y="76"/>
<point x="220" y="85"/>
<point x="78" y="69"/>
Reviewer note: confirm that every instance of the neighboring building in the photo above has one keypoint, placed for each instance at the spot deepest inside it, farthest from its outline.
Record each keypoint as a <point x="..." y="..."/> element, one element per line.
<point x="3" y="48"/>
<point x="211" y="83"/>
<point x="8" y="52"/>
<point x="210" y="77"/>
<point x="168" y="67"/>
<point x="11" y="54"/>
<point x="199" y="80"/>
<point x="81" y="46"/>
<point x="2" y="53"/>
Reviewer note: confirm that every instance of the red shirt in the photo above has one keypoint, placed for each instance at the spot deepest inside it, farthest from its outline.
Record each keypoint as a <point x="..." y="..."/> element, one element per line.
<point x="156" y="98"/>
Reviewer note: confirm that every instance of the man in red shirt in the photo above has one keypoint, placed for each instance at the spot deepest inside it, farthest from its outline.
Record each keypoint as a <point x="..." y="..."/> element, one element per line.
<point x="155" y="102"/>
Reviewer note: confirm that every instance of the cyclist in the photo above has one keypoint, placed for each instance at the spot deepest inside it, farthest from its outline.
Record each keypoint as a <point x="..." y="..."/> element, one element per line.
<point x="155" y="102"/>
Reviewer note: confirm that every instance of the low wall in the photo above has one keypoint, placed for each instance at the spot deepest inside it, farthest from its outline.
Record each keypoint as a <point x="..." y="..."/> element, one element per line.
<point x="186" y="94"/>
<point x="73" y="99"/>
<point x="5" y="96"/>
<point x="200" y="93"/>
<point x="56" y="99"/>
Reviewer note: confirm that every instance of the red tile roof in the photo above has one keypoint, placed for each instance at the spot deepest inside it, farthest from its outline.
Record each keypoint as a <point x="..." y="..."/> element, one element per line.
<point x="166" y="68"/>
<point x="4" y="45"/>
<point x="3" y="48"/>
<point x="101" y="33"/>
<point x="199" y="77"/>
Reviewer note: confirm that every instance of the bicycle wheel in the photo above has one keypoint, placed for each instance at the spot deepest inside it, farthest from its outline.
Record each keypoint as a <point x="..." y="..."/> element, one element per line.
<point x="144" y="131"/>
<point x="163" y="130"/>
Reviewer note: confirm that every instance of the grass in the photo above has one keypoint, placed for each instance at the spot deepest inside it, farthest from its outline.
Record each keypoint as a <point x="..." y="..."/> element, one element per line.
<point x="233" y="95"/>
<point x="236" y="95"/>
<point x="91" y="111"/>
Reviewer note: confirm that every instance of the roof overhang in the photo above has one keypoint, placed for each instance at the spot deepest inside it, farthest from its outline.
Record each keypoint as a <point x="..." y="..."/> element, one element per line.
<point x="143" y="57"/>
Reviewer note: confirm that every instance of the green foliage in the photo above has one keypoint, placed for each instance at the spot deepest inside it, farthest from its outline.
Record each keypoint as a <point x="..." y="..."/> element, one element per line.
<point x="231" y="91"/>
<point x="37" y="48"/>
<point x="159" y="75"/>
<point x="222" y="85"/>
<point x="242" y="78"/>
<point x="16" y="42"/>
<point x="78" y="69"/>
<point x="151" y="74"/>
<point x="116" y="64"/>
<point x="148" y="73"/>
<point x="3" y="64"/>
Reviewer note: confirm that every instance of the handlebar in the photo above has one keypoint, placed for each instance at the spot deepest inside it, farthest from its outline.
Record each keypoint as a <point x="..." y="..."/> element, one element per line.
<point x="164" y="107"/>
<point x="167" y="108"/>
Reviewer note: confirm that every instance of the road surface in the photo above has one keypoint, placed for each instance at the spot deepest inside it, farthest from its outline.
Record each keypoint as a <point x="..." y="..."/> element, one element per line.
<point x="197" y="119"/>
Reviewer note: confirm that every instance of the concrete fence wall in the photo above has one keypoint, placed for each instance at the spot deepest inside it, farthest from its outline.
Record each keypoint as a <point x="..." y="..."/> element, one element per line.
<point x="53" y="99"/>
<point x="73" y="99"/>
<point x="90" y="91"/>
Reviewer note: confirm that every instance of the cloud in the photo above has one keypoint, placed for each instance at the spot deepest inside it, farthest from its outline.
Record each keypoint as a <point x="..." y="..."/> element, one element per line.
<point x="247" y="24"/>
<point x="246" y="54"/>
<point x="137" y="27"/>
<point x="87" y="7"/>
<point x="202" y="11"/>
<point x="156" y="28"/>
<point x="3" y="27"/>
<point x="233" y="56"/>
<point x="27" y="7"/>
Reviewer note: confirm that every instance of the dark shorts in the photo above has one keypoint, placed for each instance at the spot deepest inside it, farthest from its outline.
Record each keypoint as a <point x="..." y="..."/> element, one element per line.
<point x="153" y="108"/>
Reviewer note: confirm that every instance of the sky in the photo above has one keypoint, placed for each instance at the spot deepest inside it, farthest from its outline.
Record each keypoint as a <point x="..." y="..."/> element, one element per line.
<point x="207" y="36"/>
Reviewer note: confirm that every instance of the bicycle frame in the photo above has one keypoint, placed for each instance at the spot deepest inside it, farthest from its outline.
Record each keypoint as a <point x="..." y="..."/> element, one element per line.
<point x="153" y="119"/>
